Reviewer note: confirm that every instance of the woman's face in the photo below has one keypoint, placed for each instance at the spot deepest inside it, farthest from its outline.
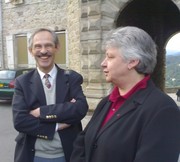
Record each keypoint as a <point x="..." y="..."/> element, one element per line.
<point x="114" y="66"/>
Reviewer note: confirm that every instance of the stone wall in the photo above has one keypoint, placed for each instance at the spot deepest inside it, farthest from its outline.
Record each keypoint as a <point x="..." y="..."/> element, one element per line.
<point x="97" y="18"/>
<point x="86" y="22"/>
<point x="1" y="40"/>
<point x="73" y="27"/>
<point x="54" y="14"/>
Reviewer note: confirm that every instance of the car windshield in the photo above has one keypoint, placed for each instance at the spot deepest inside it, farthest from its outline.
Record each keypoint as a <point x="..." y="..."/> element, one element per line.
<point x="7" y="74"/>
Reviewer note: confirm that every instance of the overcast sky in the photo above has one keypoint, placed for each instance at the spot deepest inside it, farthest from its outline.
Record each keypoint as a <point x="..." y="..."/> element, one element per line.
<point x="174" y="43"/>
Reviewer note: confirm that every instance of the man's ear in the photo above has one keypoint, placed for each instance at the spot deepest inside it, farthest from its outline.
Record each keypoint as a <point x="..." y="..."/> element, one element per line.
<point x="57" y="48"/>
<point x="30" y="51"/>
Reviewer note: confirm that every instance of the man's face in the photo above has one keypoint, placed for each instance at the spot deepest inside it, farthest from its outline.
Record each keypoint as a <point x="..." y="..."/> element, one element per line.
<point x="44" y="50"/>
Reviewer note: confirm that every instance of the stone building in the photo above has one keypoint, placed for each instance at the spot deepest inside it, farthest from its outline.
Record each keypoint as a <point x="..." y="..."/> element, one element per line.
<point x="81" y="26"/>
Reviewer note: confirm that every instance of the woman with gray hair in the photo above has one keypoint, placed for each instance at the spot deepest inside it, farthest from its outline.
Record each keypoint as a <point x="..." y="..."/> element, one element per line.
<point x="136" y="122"/>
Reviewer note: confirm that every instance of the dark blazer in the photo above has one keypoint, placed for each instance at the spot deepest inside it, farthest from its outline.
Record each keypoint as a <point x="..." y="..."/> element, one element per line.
<point x="145" y="129"/>
<point x="29" y="94"/>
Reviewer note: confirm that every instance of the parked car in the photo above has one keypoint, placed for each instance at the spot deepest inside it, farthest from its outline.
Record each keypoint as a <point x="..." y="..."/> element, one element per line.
<point x="7" y="80"/>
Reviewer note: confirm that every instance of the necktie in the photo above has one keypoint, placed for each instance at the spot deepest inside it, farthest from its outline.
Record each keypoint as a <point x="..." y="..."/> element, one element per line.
<point x="47" y="82"/>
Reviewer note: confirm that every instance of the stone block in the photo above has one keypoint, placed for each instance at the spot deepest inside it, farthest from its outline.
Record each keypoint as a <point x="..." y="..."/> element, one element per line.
<point x="94" y="61"/>
<point x="94" y="24"/>
<point x="84" y="11"/>
<point x="84" y="25"/>
<point x="94" y="9"/>
<point x="84" y="61"/>
<point x="94" y="47"/>
<point x="84" y="47"/>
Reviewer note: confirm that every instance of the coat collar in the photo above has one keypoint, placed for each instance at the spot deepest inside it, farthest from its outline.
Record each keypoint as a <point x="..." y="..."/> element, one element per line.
<point x="131" y="104"/>
<point x="62" y="85"/>
<point x="37" y="87"/>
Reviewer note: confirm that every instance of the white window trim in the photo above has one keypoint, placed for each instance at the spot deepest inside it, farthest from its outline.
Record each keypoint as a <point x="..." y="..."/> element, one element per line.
<point x="10" y="51"/>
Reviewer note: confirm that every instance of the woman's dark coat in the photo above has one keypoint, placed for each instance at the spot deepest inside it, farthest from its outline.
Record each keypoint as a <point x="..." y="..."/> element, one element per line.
<point x="145" y="129"/>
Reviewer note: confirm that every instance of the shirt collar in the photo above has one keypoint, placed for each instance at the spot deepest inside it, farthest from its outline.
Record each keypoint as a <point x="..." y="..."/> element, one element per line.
<point x="140" y="85"/>
<point x="52" y="73"/>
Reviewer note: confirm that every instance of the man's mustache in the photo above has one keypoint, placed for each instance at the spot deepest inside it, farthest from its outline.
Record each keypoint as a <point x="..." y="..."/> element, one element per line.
<point x="44" y="54"/>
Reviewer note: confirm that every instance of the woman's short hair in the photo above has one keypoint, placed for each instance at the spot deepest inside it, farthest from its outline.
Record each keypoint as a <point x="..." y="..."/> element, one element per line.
<point x="134" y="44"/>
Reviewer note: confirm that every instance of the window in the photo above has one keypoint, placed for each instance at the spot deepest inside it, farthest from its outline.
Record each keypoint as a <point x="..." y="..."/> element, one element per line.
<point x="21" y="50"/>
<point x="61" y="56"/>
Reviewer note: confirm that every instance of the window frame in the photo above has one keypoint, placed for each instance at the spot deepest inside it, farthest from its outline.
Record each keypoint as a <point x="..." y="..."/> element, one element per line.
<point x="66" y="65"/>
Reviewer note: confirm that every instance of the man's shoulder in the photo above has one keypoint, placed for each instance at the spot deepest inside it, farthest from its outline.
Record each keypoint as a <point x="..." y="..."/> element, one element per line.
<point x="26" y="76"/>
<point x="70" y="72"/>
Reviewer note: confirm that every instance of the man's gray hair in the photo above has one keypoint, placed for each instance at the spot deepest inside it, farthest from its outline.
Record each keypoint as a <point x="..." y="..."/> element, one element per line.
<point x="54" y="35"/>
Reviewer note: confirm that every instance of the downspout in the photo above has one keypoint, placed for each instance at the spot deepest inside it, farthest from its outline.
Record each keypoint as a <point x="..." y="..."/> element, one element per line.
<point x="1" y="38"/>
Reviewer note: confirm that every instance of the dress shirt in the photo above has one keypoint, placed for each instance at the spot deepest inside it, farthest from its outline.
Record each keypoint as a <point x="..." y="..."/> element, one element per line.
<point x="52" y="75"/>
<point x="52" y="78"/>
